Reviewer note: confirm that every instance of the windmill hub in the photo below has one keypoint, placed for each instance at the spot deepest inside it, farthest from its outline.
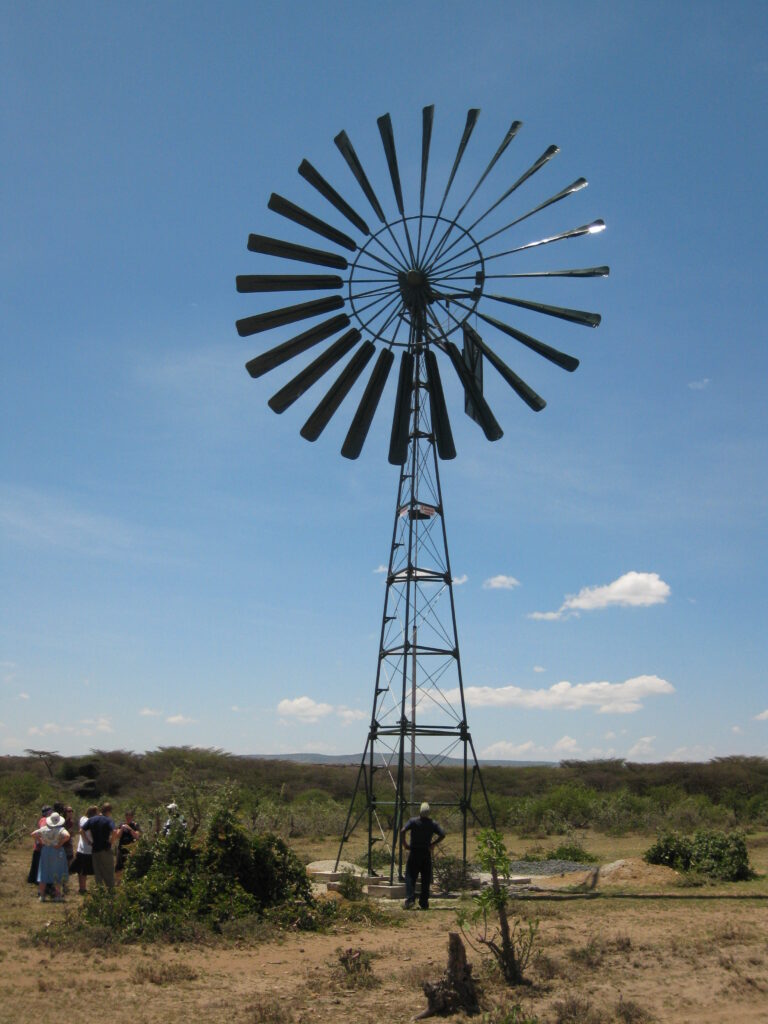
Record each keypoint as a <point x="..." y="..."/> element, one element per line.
<point x="415" y="289"/>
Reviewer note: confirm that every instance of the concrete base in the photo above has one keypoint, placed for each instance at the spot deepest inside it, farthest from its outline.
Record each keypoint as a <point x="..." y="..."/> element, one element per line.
<point x="325" y="876"/>
<point x="385" y="891"/>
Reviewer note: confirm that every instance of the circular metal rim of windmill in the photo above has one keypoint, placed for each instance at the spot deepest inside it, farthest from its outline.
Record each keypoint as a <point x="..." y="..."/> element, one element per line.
<point x="390" y="276"/>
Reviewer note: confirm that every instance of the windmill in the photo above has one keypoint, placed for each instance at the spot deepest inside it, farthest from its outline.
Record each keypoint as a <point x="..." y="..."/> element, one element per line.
<point x="419" y="284"/>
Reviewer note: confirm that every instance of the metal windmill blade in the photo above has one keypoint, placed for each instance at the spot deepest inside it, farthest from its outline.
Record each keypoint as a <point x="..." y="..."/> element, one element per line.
<point x="419" y="281"/>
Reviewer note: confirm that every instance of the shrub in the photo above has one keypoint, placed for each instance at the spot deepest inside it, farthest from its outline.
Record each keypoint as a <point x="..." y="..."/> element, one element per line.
<point x="354" y="969"/>
<point x="381" y="856"/>
<point x="171" y="887"/>
<point x="709" y="853"/>
<point x="351" y="886"/>
<point x="450" y="873"/>
<point x="720" y="855"/>
<point x="670" y="849"/>
<point x="572" y="850"/>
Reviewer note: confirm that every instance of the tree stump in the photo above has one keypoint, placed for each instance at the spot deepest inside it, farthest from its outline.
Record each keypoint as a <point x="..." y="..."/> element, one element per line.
<point x="455" y="990"/>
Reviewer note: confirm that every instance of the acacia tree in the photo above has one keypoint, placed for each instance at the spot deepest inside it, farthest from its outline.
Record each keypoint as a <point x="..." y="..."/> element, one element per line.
<point x="46" y="756"/>
<point x="509" y="938"/>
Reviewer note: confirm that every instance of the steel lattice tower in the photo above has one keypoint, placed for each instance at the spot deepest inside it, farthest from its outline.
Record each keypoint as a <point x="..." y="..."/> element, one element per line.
<point x="419" y="715"/>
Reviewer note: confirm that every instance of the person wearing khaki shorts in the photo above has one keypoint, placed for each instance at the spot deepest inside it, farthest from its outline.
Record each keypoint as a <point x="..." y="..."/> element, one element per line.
<point x="102" y="829"/>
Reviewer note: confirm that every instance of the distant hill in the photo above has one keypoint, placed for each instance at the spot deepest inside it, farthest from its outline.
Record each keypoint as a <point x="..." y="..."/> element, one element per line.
<point x="420" y="759"/>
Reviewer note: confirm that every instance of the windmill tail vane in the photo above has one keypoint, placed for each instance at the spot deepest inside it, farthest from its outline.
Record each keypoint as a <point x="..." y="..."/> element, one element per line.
<point x="408" y="282"/>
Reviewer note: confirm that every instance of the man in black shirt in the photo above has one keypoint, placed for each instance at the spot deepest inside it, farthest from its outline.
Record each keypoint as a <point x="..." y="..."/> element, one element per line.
<point x="102" y="829"/>
<point x="423" y="830"/>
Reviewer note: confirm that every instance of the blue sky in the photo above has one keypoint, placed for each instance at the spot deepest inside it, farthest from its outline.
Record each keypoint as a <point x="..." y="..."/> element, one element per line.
<point x="177" y="561"/>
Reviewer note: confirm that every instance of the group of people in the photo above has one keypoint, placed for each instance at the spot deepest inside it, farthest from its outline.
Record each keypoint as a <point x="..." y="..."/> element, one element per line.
<point x="102" y="848"/>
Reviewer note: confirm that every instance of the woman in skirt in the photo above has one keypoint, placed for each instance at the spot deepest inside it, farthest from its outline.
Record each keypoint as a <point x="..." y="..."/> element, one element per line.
<point x="82" y="865"/>
<point x="53" y="860"/>
<point x="34" y="867"/>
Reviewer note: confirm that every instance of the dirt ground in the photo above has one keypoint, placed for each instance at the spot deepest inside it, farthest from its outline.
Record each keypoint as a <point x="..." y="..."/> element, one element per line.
<point x="661" y="952"/>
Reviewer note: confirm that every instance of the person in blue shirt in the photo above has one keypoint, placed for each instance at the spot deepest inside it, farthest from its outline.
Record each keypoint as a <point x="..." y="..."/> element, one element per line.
<point x="424" y="833"/>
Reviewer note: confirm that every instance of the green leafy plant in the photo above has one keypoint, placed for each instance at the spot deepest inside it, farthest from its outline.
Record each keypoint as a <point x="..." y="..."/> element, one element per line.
<point x="708" y="853"/>
<point x="572" y="850"/>
<point x="351" y="886"/>
<point x="380" y="857"/>
<point x="509" y="939"/>
<point x="173" y="885"/>
<point x="450" y="873"/>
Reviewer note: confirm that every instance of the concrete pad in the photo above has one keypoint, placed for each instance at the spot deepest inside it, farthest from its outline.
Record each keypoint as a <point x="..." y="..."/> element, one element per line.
<point x="385" y="891"/>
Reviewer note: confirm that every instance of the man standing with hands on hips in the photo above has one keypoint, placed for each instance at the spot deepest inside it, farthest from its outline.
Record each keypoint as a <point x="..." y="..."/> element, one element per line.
<point x="423" y="831"/>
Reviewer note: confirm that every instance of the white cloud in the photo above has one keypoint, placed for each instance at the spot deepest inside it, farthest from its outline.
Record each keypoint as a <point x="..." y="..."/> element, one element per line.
<point x="762" y="717"/>
<point x="179" y="720"/>
<point x="100" y="724"/>
<point x="43" y="518"/>
<point x="604" y="697"/>
<point x="150" y="713"/>
<point x="528" y="750"/>
<point x="350" y="715"/>
<point x="632" y="590"/>
<point x="600" y="752"/>
<point x="501" y="582"/>
<point x="539" y="668"/>
<point x="643" y="747"/>
<point x="46" y="730"/>
<point x="505" y="749"/>
<point x="610" y="735"/>
<point x="737" y="730"/>
<point x="381" y="568"/>
<point x="84" y="727"/>
<point x="23" y="696"/>
<point x="303" y="708"/>
<point x="307" y="710"/>
<point x="566" y="745"/>
<point x="699" y="385"/>
<point x="696" y="753"/>
<point x="459" y="580"/>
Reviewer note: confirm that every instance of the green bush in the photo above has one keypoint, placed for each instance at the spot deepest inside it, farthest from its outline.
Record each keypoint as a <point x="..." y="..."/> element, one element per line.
<point x="173" y="887"/>
<point x="381" y="856"/>
<point x="720" y="855"/>
<point x="710" y="853"/>
<point x="450" y="873"/>
<point x="572" y="850"/>
<point x="671" y="850"/>
<point x="351" y="886"/>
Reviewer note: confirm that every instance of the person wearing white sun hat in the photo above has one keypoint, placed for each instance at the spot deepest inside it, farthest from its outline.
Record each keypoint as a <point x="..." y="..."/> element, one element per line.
<point x="52" y="869"/>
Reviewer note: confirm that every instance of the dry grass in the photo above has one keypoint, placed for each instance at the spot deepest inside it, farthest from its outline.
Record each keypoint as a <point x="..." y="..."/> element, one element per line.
<point x="163" y="973"/>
